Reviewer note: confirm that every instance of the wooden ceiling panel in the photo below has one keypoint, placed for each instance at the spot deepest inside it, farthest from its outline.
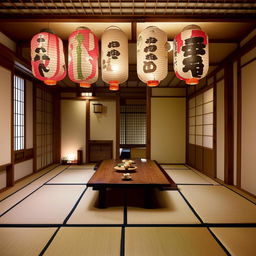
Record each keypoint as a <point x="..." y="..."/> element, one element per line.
<point x="225" y="21"/>
<point x="25" y="30"/>
<point x="215" y="30"/>
<point x="219" y="51"/>
<point x="201" y="8"/>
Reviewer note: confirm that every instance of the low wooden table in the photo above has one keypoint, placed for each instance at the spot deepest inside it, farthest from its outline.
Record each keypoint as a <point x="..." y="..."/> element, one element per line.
<point x="148" y="175"/>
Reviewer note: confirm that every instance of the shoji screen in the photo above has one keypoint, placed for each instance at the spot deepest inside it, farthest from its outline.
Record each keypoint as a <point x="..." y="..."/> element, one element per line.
<point x="192" y="121"/>
<point x="200" y="147"/>
<point x="201" y="119"/>
<point x="44" y="128"/>
<point x="208" y="118"/>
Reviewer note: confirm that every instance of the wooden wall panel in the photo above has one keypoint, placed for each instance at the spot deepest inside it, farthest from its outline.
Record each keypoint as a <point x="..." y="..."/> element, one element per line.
<point x="209" y="162"/>
<point x="199" y="158"/>
<point x="192" y="155"/>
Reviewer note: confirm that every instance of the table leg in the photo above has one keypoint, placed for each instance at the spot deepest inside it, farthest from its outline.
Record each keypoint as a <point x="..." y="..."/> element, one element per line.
<point x="148" y="197"/>
<point x="102" y="197"/>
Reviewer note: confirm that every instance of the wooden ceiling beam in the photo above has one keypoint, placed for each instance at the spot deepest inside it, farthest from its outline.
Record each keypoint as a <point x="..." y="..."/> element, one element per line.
<point x="248" y="18"/>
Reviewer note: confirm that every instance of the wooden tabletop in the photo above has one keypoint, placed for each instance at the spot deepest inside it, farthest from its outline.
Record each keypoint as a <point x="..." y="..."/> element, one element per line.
<point x="147" y="173"/>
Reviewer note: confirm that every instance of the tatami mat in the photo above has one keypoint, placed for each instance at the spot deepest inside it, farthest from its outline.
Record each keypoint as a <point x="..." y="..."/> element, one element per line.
<point x="19" y="195"/>
<point x="238" y="241"/>
<point x="24" y="241"/>
<point x="169" y="209"/>
<point x="48" y="205"/>
<point x="73" y="176"/>
<point x="217" y="204"/>
<point x="91" y="241"/>
<point x="205" y="176"/>
<point x="187" y="177"/>
<point x="163" y="241"/>
<point x="25" y="181"/>
<point x="174" y="166"/>
<point x="87" y="211"/>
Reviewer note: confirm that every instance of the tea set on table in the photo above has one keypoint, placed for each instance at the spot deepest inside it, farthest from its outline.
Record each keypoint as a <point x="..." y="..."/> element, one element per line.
<point x="127" y="166"/>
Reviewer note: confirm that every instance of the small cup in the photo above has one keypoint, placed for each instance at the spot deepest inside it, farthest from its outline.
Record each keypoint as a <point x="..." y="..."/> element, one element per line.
<point x="127" y="176"/>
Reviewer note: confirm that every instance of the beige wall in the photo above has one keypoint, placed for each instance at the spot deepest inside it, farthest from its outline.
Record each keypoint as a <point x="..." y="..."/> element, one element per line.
<point x="29" y="114"/>
<point x="168" y="130"/>
<point x="2" y="179"/>
<point x="23" y="169"/>
<point x="220" y="130"/>
<point x="73" y="129"/>
<point x="103" y="126"/>
<point x="5" y="116"/>
<point x="248" y="147"/>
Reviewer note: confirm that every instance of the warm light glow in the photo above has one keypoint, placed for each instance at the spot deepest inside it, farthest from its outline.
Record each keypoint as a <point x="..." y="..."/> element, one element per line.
<point x="47" y="57"/>
<point x="86" y="94"/>
<point x="85" y="85"/>
<point x="114" y="68"/>
<point x="113" y="85"/>
<point x="70" y="157"/>
<point x="191" y="54"/>
<point x="83" y="57"/>
<point x="114" y="56"/>
<point x="152" y="83"/>
<point x="152" y="56"/>
<point x="170" y="46"/>
<point x="192" y="81"/>
<point x="50" y="82"/>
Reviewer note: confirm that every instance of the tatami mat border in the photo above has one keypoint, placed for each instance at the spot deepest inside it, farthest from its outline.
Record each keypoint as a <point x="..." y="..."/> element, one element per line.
<point x="122" y="247"/>
<point x="125" y="225"/>
<point x="223" y="186"/>
<point x="75" y="205"/>
<point x="49" y="242"/>
<point x="29" y="183"/>
<point x="30" y="193"/>
<point x="190" y="206"/>
<point x="202" y="225"/>
<point x="194" y="184"/>
<point x="68" y="184"/>
<point x="219" y="242"/>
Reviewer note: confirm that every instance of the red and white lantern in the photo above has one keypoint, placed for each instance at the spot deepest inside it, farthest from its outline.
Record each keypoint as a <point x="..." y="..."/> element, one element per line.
<point x="191" y="54"/>
<point x="83" y="53"/>
<point x="114" y="57"/>
<point x="152" y="56"/>
<point x="47" y="58"/>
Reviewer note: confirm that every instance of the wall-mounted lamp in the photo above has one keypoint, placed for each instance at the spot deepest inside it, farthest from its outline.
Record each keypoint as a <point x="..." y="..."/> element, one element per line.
<point x="97" y="108"/>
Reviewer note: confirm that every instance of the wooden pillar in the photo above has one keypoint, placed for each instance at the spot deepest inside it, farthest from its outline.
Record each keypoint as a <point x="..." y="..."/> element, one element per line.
<point x="87" y="134"/>
<point x="56" y="128"/>
<point x="148" y="138"/>
<point x="229" y="124"/>
<point x="117" y="125"/>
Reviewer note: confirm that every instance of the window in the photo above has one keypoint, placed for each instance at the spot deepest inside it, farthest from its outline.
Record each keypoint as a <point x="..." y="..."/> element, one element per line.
<point x="133" y="125"/>
<point x="201" y="119"/>
<point x="19" y="113"/>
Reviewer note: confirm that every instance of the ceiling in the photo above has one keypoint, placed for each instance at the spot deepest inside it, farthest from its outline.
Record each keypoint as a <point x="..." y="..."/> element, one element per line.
<point x="226" y="22"/>
<point x="126" y="7"/>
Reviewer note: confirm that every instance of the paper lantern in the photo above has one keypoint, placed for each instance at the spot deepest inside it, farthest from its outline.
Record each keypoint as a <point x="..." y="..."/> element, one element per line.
<point x="47" y="57"/>
<point x="83" y="53"/>
<point x="114" y="57"/>
<point x="152" y="56"/>
<point x="191" y="54"/>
